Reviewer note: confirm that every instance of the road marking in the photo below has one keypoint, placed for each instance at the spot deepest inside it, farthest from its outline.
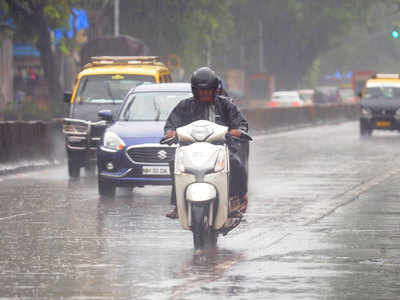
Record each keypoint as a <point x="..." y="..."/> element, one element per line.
<point x="15" y="216"/>
<point x="354" y="193"/>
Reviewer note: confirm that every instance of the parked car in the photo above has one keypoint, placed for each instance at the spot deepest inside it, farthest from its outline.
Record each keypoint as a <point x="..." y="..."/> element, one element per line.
<point x="129" y="153"/>
<point x="380" y="104"/>
<point x="307" y="95"/>
<point x="285" y="98"/>
<point x="345" y="94"/>
<point x="102" y="84"/>
<point x="326" y="95"/>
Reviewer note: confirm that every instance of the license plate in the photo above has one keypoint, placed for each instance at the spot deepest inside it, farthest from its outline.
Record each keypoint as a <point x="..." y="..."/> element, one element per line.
<point x="150" y="170"/>
<point x="383" y="124"/>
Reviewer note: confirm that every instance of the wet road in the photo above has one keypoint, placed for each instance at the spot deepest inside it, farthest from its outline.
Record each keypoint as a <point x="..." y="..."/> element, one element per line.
<point x="323" y="223"/>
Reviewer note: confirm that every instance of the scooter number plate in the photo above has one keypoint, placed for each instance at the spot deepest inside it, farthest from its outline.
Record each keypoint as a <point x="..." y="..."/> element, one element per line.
<point x="151" y="170"/>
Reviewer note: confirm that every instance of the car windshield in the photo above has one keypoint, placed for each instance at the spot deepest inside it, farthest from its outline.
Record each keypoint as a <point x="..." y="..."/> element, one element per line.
<point x="108" y="88"/>
<point x="382" y="92"/>
<point x="151" y="106"/>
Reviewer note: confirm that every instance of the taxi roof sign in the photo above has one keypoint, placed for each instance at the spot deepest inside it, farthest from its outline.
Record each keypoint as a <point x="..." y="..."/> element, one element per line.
<point x="123" y="60"/>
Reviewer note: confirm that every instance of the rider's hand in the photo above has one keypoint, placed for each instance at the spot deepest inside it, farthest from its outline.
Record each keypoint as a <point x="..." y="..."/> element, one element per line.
<point x="235" y="132"/>
<point x="170" y="134"/>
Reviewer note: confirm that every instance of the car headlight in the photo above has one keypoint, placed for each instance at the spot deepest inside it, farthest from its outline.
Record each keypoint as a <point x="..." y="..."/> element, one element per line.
<point x="366" y="113"/>
<point x="75" y="128"/>
<point x="220" y="162"/>
<point x="179" y="166"/>
<point x="112" y="141"/>
<point x="397" y="114"/>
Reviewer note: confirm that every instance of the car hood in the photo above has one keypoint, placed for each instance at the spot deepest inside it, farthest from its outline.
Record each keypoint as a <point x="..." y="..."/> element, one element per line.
<point x="88" y="112"/>
<point x="380" y="103"/>
<point x="133" y="132"/>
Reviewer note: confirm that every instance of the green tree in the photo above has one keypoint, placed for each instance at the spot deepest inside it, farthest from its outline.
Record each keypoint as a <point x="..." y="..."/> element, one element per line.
<point x="181" y="27"/>
<point x="33" y="21"/>
<point x="296" y="32"/>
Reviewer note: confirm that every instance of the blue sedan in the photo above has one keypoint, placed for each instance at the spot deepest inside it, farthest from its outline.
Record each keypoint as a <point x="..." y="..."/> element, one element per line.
<point x="130" y="154"/>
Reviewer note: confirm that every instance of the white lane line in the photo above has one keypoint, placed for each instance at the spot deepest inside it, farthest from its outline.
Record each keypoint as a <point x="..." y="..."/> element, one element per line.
<point x="15" y="216"/>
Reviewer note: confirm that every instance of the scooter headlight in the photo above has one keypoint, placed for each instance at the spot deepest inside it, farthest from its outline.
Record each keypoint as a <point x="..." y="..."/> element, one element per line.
<point x="112" y="141"/>
<point x="179" y="166"/>
<point x="220" y="162"/>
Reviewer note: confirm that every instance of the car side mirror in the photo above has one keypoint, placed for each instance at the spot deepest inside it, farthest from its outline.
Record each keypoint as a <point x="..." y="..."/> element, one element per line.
<point x="106" y="115"/>
<point x="67" y="97"/>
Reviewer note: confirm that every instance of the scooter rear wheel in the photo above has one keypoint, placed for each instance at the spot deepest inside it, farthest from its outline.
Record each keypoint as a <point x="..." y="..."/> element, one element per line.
<point x="203" y="235"/>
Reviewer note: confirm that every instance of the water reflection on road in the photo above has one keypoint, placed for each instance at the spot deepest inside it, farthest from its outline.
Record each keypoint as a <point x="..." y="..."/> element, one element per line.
<point x="322" y="222"/>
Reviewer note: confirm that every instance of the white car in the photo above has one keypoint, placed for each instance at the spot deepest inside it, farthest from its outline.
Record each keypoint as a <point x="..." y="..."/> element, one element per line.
<point x="307" y="96"/>
<point x="286" y="98"/>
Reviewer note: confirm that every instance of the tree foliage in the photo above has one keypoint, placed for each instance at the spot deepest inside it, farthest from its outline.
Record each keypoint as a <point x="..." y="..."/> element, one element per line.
<point x="296" y="33"/>
<point x="368" y="44"/>
<point x="33" y="20"/>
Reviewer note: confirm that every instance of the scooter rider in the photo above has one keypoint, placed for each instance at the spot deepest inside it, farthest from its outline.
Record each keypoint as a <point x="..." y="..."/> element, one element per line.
<point x="207" y="105"/>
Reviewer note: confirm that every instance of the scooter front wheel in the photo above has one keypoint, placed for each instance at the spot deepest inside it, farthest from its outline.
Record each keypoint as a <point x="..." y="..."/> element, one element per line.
<point x="203" y="235"/>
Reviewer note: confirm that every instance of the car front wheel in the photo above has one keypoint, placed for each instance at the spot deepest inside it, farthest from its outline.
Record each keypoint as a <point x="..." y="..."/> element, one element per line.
<point x="73" y="168"/>
<point x="365" y="131"/>
<point x="106" y="190"/>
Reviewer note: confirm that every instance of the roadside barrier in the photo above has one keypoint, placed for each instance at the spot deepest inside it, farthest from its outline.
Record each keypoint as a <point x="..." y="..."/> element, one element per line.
<point x="32" y="140"/>
<point x="263" y="118"/>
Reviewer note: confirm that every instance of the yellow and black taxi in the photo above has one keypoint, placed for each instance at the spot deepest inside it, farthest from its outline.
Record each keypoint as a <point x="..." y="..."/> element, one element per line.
<point x="380" y="104"/>
<point x="102" y="84"/>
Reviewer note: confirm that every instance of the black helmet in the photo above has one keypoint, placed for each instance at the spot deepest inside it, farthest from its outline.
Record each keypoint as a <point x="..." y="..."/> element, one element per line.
<point x="204" y="78"/>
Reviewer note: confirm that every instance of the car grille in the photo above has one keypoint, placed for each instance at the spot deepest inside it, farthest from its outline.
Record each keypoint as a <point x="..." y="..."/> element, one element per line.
<point x="151" y="154"/>
<point x="386" y="113"/>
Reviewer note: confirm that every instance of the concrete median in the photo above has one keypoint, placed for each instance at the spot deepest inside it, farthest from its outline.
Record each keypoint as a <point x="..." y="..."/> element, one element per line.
<point x="265" y="119"/>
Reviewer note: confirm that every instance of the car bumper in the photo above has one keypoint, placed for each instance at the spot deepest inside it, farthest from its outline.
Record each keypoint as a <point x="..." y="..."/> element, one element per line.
<point x="381" y="123"/>
<point x="129" y="174"/>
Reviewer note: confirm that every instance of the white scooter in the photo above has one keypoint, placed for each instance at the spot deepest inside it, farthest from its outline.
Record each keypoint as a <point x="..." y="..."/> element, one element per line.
<point x="202" y="181"/>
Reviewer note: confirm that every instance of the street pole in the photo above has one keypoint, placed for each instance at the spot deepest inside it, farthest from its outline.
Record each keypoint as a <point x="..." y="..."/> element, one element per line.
<point x="209" y="52"/>
<point x="261" y="46"/>
<point x="116" y="17"/>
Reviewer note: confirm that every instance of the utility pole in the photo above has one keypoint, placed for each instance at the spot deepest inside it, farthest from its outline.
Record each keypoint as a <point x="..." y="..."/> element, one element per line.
<point x="116" y="17"/>
<point x="261" y="46"/>
<point x="209" y="52"/>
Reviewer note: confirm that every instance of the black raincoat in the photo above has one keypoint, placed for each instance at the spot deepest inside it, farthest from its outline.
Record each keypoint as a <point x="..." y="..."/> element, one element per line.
<point x="191" y="109"/>
<point x="226" y="114"/>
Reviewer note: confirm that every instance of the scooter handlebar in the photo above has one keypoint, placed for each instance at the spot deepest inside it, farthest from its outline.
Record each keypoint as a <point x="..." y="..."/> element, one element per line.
<point x="244" y="137"/>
